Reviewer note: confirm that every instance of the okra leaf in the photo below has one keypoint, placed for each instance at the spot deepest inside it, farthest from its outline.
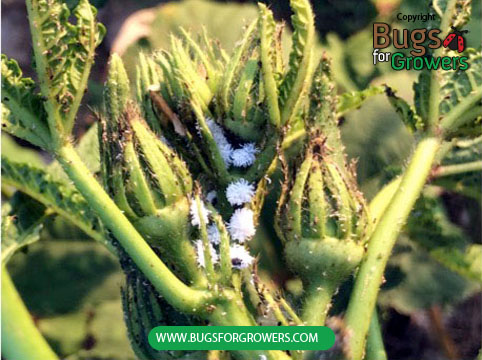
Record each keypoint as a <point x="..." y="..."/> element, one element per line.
<point x="439" y="264"/>
<point x="23" y="114"/>
<point x="465" y="262"/>
<point x="460" y="169"/>
<point x="57" y="195"/>
<point x="445" y="242"/>
<point x="464" y="151"/>
<point x="421" y="282"/>
<point x="11" y="149"/>
<point x="422" y="90"/>
<point x="426" y="88"/>
<point x="406" y="112"/>
<point x="64" y="54"/>
<point x="459" y="13"/>
<point x="22" y="220"/>
<point x="461" y="95"/>
<point x="437" y="92"/>
<point x="354" y="99"/>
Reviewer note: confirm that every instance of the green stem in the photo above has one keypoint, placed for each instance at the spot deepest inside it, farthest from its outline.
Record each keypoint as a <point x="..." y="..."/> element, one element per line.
<point x="275" y="308"/>
<point x="292" y="138"/>
<point x="455" y="169"/>
<point x="462" y="112"/>
<point x="20" y="337"/>
<point x="380" y="202"/>
<point x="434" y="97"/>
<point x="369" y="277"/>
<point x="375" y="349"/>
<point x="38" y="44"/>
<point x="232" y="311"/>
<point x="287" y="307"/>
<point x="175" y="291"/>
<point x="317" y="303"/>
<point x="229" y="312"/>
<point x="447" y="17"/>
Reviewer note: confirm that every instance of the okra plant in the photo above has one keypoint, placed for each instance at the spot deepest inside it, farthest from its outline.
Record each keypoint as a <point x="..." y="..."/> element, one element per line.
<point x="189" y="150"/>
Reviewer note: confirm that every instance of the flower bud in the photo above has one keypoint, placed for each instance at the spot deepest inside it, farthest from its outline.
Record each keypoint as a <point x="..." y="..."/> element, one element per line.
<point x="245" y="113"/>
<point x="222" y="127"/>
<point x="146" y="179"/>
<point x="145" y="309"/>
<point x="144" y="174"/>
<point x="322" y="218"/>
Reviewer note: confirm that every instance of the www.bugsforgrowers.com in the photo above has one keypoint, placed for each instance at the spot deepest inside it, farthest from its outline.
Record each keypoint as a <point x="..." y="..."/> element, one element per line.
<point x="241" y="338"/>
<point x="236" y="337"/>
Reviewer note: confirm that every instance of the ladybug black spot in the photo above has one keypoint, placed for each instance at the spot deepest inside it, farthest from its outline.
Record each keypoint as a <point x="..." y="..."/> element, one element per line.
<point x="455" y="40"/>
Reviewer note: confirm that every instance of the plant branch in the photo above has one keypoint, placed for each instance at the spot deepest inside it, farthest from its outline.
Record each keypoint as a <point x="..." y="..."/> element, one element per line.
<point x="317" y="303"/>
<point x="278" y="314"/>
<point x="20" y="337"/>
<point x="455" y="169"/>
<point x="231" y="311"/>
<point x="375" y="349"/>
<point x="381" y="242"/>
<point x="175" y="291"/>
<point x="434" y="99"/>
<point x="292" y="138"/>
<point x="462" y="112"/>
<point x="39" y="49"/>
<point x="380" y="202"/>
<point x="290" y="311"/>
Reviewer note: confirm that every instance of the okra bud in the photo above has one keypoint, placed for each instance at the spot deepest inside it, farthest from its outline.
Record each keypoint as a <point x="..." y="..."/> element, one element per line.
<point x="322" y="218"/>
<point x="148" y="181"/>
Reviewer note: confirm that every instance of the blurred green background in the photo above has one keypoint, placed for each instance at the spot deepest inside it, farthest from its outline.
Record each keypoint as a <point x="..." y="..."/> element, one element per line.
<point x="71" y="284"/>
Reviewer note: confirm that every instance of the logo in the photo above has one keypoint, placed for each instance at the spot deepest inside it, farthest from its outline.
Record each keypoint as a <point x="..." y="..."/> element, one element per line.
<point x="419" y="42"/>
<point x="455" y="40"/>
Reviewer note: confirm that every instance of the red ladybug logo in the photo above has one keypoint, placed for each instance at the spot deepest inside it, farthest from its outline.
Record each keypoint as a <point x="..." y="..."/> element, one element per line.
<point x="455" y="40"/>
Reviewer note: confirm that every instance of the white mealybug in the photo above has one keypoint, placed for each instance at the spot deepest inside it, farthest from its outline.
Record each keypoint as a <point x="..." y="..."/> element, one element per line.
<point x="240" y="192"/>
<point x="240" y="257"/>
<point x="226" y="151"/>
<point x="200" y="253"/>
<point x="195" y="219"/>
<point x="245" y="156"/>
<point x="214" y="235"/>
<point x="211" y="196"/>
<point x="225" y="148"/>
<point x="241" y="225"/>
